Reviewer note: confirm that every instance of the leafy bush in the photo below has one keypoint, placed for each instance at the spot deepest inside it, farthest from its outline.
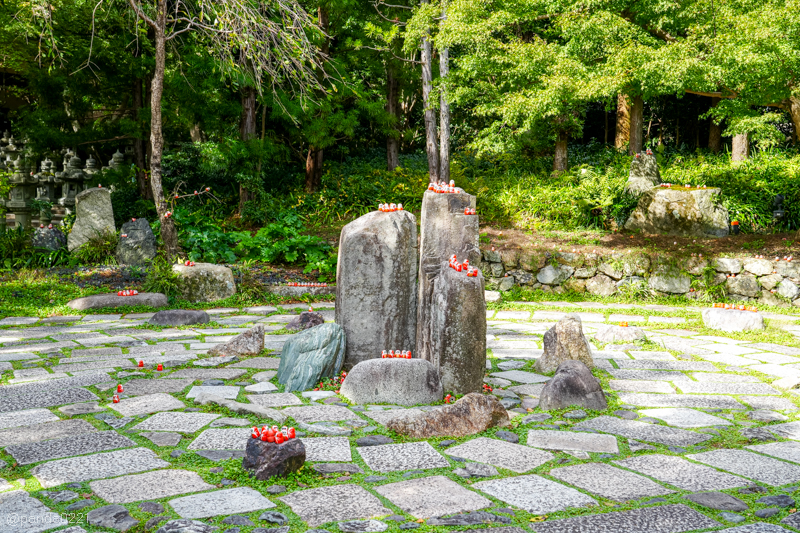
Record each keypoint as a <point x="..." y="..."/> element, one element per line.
<point x="277" y="242"/>
<point x="161" y="278"/>
<point x="98" y="250"/>
<point x="16" y="251"/>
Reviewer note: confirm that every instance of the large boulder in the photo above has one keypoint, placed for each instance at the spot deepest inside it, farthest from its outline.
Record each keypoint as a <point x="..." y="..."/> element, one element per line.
<point x="732" y="319"/>
<point x="137" y="244"/>
<point x="251" y="342"/>
<point x="376" y="297"/>
<point x="573" y="384"/>
<point x="311" y="355"/>
<point x="49" y="238"/>
<point x="601" y="285"/>
<point x="305" y="320"/>
<point x="93" y="216"/>
<point x="454" y="331"/>
<point x="644" y="174"/>
<point x="554" y="275"/>
<point x="563" y="342"/>
<point x="99" y="301"/>
<point x="670" y="282"/>
<point x="179" y="317"/>
<point x="205" y="282"/>
<point x="606" y="333"/>
<point x="471" y="414"/>
<point x="269" y="459"/>
<point x="686" y="213"/>
<point x="393" y="381"/>
<point x="444" y="230"/>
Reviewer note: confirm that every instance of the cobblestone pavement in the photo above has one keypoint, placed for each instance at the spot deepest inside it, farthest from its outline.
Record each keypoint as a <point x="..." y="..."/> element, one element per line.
<point x="696" y="437"/>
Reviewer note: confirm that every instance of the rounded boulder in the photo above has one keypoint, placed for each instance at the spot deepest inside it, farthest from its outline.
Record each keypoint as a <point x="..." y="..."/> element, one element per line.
<point x="395" y="381"/>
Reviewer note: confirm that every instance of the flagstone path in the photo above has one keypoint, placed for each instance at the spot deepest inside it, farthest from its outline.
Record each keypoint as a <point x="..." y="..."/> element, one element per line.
<point x="689" y="412"/>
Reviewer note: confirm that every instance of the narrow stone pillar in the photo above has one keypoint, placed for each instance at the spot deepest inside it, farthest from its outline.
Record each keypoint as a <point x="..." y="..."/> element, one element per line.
<point x="446" y="230"/>
<point x="376" y="300"/>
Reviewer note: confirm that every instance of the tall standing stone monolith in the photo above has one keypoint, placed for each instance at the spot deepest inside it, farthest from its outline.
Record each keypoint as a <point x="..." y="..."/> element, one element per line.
<point x="449" y="303"/>
<point x="94" y="217"/>
<point x="376" y="299"/>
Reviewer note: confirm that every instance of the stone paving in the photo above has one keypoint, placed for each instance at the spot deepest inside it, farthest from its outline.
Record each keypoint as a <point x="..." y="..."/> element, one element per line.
<point x="689" y="413"/>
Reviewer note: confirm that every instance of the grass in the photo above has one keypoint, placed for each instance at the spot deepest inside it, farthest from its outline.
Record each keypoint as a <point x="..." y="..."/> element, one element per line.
<point x="308" y="478"/>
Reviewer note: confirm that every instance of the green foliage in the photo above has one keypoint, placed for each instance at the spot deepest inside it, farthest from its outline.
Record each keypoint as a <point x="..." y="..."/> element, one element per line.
<point x="16" y="251"/>
<point x="161" y="278"/>
<point x="98" y="250"/>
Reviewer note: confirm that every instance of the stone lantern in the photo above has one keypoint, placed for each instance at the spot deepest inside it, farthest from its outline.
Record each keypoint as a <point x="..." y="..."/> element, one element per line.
<point x="73" y="178"/>
<point x="22" y="192"/>
<point x="46" y="190"/>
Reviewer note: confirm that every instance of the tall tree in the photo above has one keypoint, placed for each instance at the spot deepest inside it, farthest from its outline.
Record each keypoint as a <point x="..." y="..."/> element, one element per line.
<point x="277" y="51"/>
<point x="431" y="140"/>
<point x="444" y="108"/>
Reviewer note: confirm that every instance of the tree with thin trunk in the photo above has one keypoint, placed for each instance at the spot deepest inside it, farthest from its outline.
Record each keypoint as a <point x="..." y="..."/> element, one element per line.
<point x="444" y="108"/>
<point x="431" y="141"/>
<point x="623" y="133"/>
<point x="637" y="125"/>
<point x="272" y="35"/>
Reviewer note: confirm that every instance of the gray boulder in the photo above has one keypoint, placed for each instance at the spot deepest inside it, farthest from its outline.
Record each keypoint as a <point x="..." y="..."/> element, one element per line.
<point x="311" y="355"/>
<point x="179" y="317"/>
<point x="670" y="282"/>
<point x="305" y="320"/>
<point x="205" y="282"/>
<point x="93" y="216"/>
<point x="758" y="267"/>
<point x="771" y="281"/>
<point x="744" y="285"/>
<point x="98" y="301"/>
<point x="732" y="319"/>
<point x="644" y="174"/>
<point x="572" y="384"/>
<point x="563" y="342"/>
<point x="474" y="413"/>
<point x="269" y="459"/>
<point x="690" y="213"/>
<point x="606" y="334"/>
<point x="114" y="517"/>
<point x="554" y="275"/>
<point x="376" y="284"/>
<point x="139" y="246"/>
<point x="250" y="342"/>
<point x="601" y="285"/>
<point x="393" y="381"/>
<point x="730" y="265"/>
<point x="444" y="230"/>
<point x="454" y="330"/>
<point x="788" y="290"/>
<point x="49" y="238"/>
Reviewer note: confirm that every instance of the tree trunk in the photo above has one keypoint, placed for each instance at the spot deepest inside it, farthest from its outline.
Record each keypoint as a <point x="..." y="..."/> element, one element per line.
<point x="313" y="169"/>
<point x="431" y="144"/>
<point x="794" y="112"/>
<point x="741" y="147"/>
<point x="247" y="131"/>
<point x="637" y="125"/>
<point x="444" y="112"/>
<point x="623" y="134"/>
<point x="560" y="161"/>
<point x="139" y="158"/>
<point x="169" y="234"/>
<point x="196" y="133"/>
<point x="714" y="132"/>
<point x="392" y="109"/>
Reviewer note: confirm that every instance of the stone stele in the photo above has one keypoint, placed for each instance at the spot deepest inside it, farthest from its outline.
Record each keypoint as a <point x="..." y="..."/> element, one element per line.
<point x="446" y="230"/>
<point x="644" y="174"/>
<point x="376" y="297"/>
<point x="686" y="213"/>
<point x="139" y="245"/>
<point x="311" y="355"/>
<point x="205" y="282"/>
<point x="93" y="216"/>
<point x="563" y="342"/>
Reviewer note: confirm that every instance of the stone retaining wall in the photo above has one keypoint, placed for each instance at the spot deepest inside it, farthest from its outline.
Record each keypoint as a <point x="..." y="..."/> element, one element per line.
<point x="746" y="278"/>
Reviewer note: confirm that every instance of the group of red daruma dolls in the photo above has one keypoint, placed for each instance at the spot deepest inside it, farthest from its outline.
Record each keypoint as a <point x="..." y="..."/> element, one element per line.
<point x="472" y="272"/>
<point x="405" y="354"/>
<point x="273" y="434"/>
<point x="390" y="208"/>
<point x="442" y="187"/>
<point x="305" y="284"/>
<point x="736" y="307"/>
<point x="127" y="293"/>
